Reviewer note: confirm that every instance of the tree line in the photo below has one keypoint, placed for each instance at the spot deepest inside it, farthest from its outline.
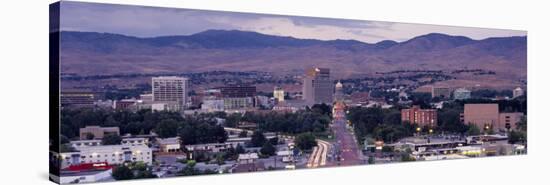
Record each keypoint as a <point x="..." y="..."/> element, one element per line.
<point x="380" y="124"/>
<point x="315" y="119"/>
<point x="194" y="129"/>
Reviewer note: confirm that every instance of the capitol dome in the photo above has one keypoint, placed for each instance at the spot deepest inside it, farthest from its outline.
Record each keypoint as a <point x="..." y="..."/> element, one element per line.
<point x="339" y="85"/>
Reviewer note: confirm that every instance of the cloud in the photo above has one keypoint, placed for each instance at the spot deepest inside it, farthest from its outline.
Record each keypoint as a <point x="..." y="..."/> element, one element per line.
<point x="287" y="26"/>
<point x="150" y="21"/>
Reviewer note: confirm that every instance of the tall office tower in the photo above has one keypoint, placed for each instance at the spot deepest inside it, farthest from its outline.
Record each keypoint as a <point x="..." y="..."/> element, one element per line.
<point x="317" y="86"/>
<point x="170" y="91"/>
<point x="238" y="97"/>
<point x="279" y="94"/>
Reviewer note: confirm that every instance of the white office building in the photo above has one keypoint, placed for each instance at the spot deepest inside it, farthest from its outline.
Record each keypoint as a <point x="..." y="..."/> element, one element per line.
<point x="213" y="105"/>
<point x="170" y="90"/>
<point x="96" y="142"/>
<point x="112" y="154"/>
<point x="462" y="94"/>
<point x="517" y="92"/>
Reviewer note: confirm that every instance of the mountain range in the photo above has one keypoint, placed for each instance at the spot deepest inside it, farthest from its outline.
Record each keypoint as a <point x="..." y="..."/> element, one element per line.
<point x="92" y="53"/>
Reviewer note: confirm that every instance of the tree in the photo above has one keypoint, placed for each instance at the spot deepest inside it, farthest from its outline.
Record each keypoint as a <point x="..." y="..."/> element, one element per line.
<point x="393" y="118"/>
<point x="322" y="109"/>
<point x="146" y="174"/>
<point x="243" y="133"/>
<point x="473" y="130"/>
<point x="198" y="130"/>
<point x="230" y="153"/>
<point x="371" y="160"/>
<point x="268" y="149"/>
<point x="258" y="139"/>
<point x="219" y="134"/>
<point x="522" y="124"/>
<point x="220" y="160"/>
<point x="140" y="166"/>
<point x="122" y="172"/>
<point x="516" y="137"/>
<point x="232" y="120"/>
<point x="63" y="139"/>
<point x="140" y="170"/>
<point x="111" y="139"/>
<point x="90" y="136"/>
<point x="167" y="128"/>
<point x="406" y="156"/>
<point x="449" y="121"/>
<point x="390" y="133"/>
<point x="239" y="149"/>
<point x="274" y="141"/>
<point x="191" y="163"/>
<point x="387" y="149"/>
<point x="66" y="148"/>
<point x="189" y="169"/>
<point x="305" y="141"/>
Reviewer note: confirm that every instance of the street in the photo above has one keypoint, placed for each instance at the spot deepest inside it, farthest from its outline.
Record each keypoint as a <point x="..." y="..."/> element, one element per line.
<point x="347" y="150"/>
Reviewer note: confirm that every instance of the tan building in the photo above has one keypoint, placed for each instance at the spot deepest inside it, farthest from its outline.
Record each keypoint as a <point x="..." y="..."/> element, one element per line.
<point x="509" y="119"/>
<point x="488" y="115"/>
<point x="98" y="132"/>
<point x="444" y="92"/>
<point x="168" y="145"/>
<point x="422" y="117"/>
<point x="481" y="115"/>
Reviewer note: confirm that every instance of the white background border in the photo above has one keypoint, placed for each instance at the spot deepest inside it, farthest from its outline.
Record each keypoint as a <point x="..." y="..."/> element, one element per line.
<point x="24" y="93"/>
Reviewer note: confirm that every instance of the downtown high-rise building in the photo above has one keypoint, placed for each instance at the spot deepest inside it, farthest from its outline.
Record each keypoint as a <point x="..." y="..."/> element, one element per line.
<point x="238" y="96"/>
<point x="317" y="86"/>
<point x="170" y="91"/>
<point x="279" y="94"/>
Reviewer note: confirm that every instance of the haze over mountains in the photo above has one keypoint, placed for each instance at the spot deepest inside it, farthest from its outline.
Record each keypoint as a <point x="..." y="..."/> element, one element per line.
<point x="90" y="53"/>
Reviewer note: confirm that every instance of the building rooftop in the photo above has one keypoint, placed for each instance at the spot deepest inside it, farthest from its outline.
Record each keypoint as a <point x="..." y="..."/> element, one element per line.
<point x="168" y="141"/>
<point x="170" y="78"/>
<point x="248" y="156"/>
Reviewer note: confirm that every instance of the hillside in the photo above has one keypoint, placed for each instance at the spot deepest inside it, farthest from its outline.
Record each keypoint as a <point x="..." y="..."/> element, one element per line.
<point x="90" y="53"/>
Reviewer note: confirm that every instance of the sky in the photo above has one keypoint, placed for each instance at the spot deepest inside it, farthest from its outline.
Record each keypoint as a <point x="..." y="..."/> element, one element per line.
<point x="144" y="21"/>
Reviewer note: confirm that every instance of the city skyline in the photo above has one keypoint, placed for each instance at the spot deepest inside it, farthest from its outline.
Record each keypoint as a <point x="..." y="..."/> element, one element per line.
<point x="238" y="101"/>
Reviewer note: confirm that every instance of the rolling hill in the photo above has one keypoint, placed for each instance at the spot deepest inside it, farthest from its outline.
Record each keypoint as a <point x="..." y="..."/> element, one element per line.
<point x="91" y="53"/>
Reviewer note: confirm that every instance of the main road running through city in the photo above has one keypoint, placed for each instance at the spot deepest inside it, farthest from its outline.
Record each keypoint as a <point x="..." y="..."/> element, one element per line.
<point x="347" y="150"/>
